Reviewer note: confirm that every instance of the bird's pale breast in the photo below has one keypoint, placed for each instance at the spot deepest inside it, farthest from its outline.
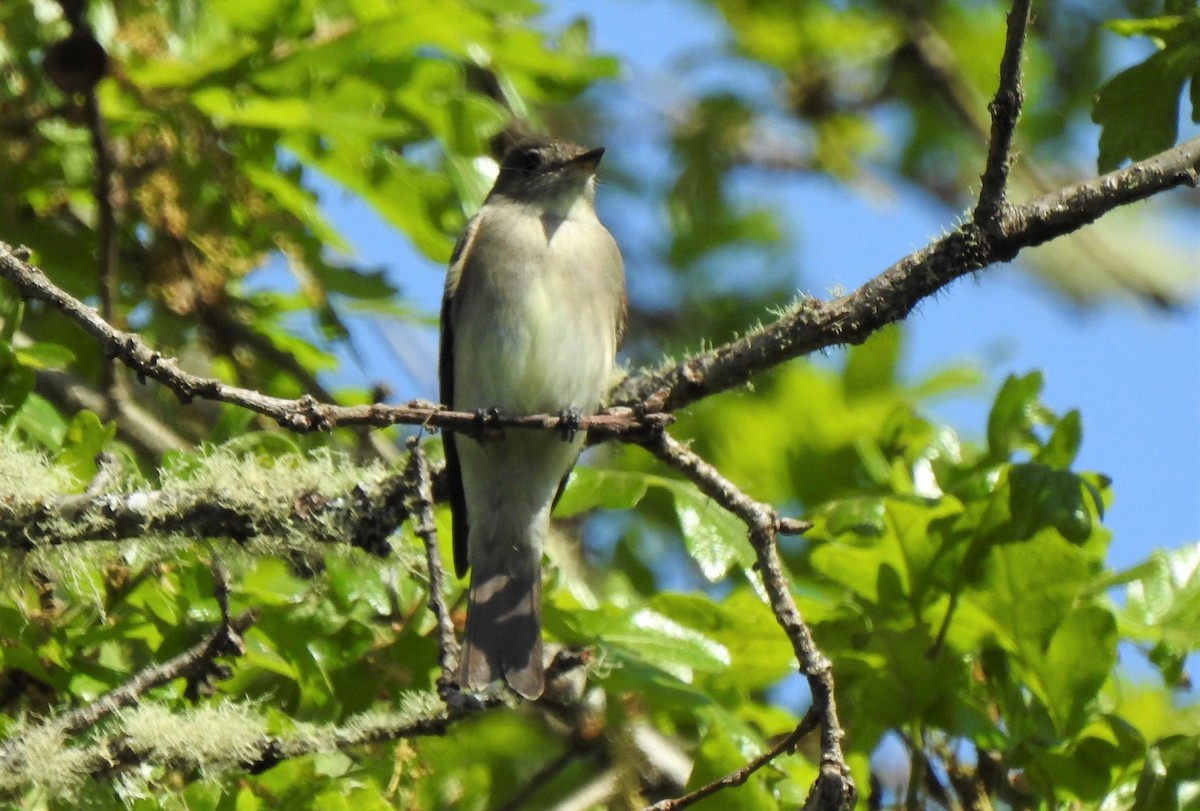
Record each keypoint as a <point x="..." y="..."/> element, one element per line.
<point x="540" y="323"/>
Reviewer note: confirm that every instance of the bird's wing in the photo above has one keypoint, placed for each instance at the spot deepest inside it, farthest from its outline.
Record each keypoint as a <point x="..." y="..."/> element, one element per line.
<point x="454" y="487"/>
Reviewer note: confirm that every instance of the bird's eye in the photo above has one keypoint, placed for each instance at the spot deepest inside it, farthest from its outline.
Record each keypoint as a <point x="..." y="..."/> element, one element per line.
<point x="524" y="160"/>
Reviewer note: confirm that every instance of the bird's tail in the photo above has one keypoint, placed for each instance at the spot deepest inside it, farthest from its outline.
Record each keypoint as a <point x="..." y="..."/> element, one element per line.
<point x="503" y="637"/>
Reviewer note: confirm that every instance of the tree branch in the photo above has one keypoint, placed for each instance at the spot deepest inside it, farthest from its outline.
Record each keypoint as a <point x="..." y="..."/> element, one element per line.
<point x="363" y="517"/>
<point x="810" y="325"/>
<point x="196" y="664"/>
<point x="420" y="506"/>
<point x="1005" y="109"/>
<point x="833" y="788"/>
<point x="305" y="414"/>
<point x="115" y="753"/>
<point x="813" y="324"/>
<point x="740" y="776"/>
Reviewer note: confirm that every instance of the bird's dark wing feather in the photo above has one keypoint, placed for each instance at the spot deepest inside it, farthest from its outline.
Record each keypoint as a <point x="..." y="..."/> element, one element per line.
<point x="454" y="487"/>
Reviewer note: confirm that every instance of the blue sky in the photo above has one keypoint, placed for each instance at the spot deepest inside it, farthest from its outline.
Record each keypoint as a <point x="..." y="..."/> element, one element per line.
<point x="1133" y="372"/>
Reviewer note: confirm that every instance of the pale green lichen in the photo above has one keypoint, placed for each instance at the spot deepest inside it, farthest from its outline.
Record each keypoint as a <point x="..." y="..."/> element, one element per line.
<point x="211" y="738"/>
<point x="371" y="725"/>
<point x="267" y="488"/>
<point x="38" y="756"/>
<point x="29" y="475"/>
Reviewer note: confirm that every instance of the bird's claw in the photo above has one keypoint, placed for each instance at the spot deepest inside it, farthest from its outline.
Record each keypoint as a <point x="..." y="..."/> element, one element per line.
<point x="488" y="423"/>
<point x="569" y="420"/>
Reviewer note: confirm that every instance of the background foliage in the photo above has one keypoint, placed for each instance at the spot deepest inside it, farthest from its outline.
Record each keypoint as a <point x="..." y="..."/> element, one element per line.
<point x="958" y="586"/>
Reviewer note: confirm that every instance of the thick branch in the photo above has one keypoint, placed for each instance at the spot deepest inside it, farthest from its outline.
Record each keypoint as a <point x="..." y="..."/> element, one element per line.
<point x="114" y="753"/>
<point x="276" y="750"/>
<point x="813" y="324"/>
<point x="363" y="517"/>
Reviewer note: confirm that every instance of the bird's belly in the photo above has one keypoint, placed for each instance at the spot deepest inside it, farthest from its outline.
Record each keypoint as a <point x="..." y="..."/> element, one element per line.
<point x="543" y="348"/>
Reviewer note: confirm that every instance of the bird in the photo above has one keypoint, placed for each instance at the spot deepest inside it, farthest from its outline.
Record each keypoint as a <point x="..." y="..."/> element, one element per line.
<point x="533" y="313"/>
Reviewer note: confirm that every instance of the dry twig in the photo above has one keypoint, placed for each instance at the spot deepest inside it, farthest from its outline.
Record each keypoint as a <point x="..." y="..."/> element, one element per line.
<point x="420" y="499"/>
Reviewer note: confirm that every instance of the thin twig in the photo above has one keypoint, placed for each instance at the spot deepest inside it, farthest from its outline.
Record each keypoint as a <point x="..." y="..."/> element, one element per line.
<point x="740" y="776"/>
<point x="833" y="789"/>
<point x="540" y="778"/>
<point x="108" y="249"/>
<point x="421" y="508"/>
<point x="1005" y="109"/>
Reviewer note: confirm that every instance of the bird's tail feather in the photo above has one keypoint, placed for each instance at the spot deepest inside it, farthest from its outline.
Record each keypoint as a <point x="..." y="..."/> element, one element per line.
<point x="503" y="637"/>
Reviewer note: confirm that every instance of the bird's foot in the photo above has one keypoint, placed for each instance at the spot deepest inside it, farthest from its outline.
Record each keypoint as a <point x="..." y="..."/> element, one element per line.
<point x="569" y="420"/>
<point x="488" y="424"/>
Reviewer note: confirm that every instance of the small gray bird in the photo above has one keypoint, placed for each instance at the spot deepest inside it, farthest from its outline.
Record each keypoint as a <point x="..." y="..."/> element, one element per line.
<point x="533" y="311"/>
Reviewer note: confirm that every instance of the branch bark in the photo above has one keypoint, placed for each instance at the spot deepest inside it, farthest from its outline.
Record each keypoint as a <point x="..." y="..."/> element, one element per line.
<point x="305" y="414"/>
<point x="833" y="788"/>
<point x="643" y="401"/>
<point x="1005" y="110"/>
<point x="812" y="324"/>
<point x="363" y="517"/>
<point x="420" y="506"/>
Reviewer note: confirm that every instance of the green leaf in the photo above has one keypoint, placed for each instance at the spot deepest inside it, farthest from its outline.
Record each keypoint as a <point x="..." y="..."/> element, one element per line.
<point x="893" y="681"/>
<point x="1138" y="109"/>
<point x="358" y="284"/>
<point x="409" y="197"/>
<point x="863" y="516"/>
<point x="286" y="191"/>
<point x="86" y="436"/>
<point x="893" y="564"/>
<point x="1157" y="788"/>
<point x="351" y="112"/>
<point x="1063" y="445"/>
<point x="592" y="488"/>
<point x="1013" y="415"/>
<point x="744" y="625"/>
<point x="727" y="744"/>
<point x="45" y="356"/>
<point x="1162" y="608"/>
<point x="11" y="311"/>
<point x="1079" y="659"/>
<point x="250" y="18"/>
<point x="871" y="366"/>
<point x="1041" y="496"/>
<point x="1025" y="590"/>
<point x="16" y="383"/>
<point x="713" y="536"/>
<point x="649" y="637"/>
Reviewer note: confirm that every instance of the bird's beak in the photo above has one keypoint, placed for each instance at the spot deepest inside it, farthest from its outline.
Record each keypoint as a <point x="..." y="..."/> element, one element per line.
<point x="588" y="160"/>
